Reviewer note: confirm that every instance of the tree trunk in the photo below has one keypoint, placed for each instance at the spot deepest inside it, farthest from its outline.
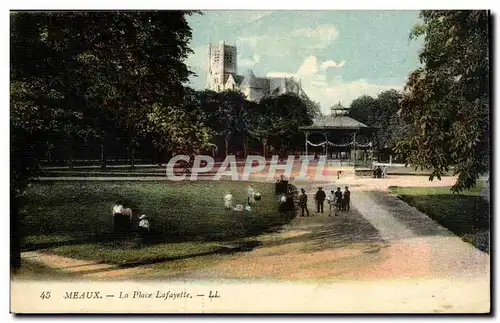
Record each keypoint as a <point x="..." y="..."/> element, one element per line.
<point x="245" y="146"/>
<point x="264" y="144"/>
<point x="70" y="151"/>
<point x="15" y="231"/>
<point x="70" y="161"/>
<point x="158" y="157"/>
<point x="161" y="154"/>
<point x="133" y="158"/>
<point x="226" y="141"/>
<point x="104" y="157"/>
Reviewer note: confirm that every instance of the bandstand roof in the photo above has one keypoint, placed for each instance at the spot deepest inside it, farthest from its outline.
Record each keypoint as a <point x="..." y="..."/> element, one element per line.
<point x="337" y="120"/>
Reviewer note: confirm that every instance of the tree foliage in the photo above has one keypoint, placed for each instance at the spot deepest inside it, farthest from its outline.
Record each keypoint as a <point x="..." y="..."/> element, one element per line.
<point x="381" y="113"/>
<point x="280" y="117"/>
<point x="100" y="75"/>
<point x="447" y="99"/>
<point x="276" y="118"/>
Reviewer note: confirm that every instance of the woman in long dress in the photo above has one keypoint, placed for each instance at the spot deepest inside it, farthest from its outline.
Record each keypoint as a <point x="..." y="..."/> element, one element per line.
<point x="250" y="195"/>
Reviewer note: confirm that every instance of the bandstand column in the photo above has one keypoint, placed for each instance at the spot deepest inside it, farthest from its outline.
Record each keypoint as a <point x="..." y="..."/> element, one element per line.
<point x="371" y="150"/>
<point x="326" y="145"/>
<point x="354" y="148"/>
<point x="307" y="134"/>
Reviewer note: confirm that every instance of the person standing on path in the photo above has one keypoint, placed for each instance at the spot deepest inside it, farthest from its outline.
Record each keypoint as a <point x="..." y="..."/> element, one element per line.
<point x="303" y="202"/>
<point x="331" y="203"/>
<point x="346" y="199"/>
<point x="338" y="199"/>
<point x="320" y="199"/>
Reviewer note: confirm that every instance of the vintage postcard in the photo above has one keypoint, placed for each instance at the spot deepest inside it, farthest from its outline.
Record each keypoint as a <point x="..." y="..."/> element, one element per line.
<point x="328" y="161"/>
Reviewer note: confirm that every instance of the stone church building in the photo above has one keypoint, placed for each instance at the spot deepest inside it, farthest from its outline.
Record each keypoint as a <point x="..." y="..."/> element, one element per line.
<point x="223" y="75"/>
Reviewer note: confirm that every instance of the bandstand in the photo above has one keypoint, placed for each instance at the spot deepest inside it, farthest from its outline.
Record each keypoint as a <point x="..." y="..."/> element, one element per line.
<point x="340" y="138"/>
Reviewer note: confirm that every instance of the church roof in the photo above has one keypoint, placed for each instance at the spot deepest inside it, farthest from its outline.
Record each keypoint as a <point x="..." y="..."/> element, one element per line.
<point x="238" y="78"/>
<point x="252" y="81"/>
<point x="261" y="83"/>
<point x="336" y="122"/>
<point x="248" y="80"/>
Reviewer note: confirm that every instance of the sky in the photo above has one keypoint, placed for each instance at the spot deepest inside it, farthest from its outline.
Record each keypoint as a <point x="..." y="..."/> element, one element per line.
<point x="337" y="55"/>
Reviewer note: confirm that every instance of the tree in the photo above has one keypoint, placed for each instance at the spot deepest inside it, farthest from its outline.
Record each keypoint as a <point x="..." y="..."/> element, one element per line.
<point x="103" y="74"/>
<point x="391" y="128"/>
<point x="447" y="99"/>
<point x="382" y="114"/>
<point x="280" y="118"/>
<point x="262" y="122"/>
<point x="364" y="109"/>
<point x="42" y="105"/>
<point x="138" y="72"/>
<point x="313" y="107"/>
<point x="225" y="113"/>
<point x="94" y="75"/>
<point x="179" y="128"/>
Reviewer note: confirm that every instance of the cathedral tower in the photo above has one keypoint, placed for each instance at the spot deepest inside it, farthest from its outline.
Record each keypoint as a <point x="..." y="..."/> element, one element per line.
<point x="222" y="63"/>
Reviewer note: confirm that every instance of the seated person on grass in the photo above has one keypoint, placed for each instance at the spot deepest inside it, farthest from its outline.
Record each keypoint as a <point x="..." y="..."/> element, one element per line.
<point x="122" y="219"/>
<point x="144" y="229"/>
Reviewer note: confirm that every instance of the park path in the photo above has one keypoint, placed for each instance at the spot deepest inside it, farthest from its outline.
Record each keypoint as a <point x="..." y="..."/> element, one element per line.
<point x="408" y="245"/>
<point x="64" y="264"/>
<point x="418" y="243"/>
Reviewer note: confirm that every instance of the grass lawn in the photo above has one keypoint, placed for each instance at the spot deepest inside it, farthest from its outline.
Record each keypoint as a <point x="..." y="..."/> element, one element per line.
<point x="188" y="218"/>
<point x="466" y="214"/>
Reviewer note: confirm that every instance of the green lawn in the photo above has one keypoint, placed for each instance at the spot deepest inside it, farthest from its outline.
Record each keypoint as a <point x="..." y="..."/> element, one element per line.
<point x="188" y="218"/>
<point x="466" y="214"/>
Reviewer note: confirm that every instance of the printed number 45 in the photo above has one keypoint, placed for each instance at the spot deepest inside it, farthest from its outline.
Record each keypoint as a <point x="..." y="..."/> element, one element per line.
<point x="45" y="295"/>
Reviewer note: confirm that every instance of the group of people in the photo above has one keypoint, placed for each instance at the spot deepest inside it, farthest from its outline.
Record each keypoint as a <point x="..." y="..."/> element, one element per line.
<point x="252" y="196"/>
<point x="380" y="172"/>
<point x="123" y="223"/>
<point x="281" y="186"/>
<point x="337" y="200"/>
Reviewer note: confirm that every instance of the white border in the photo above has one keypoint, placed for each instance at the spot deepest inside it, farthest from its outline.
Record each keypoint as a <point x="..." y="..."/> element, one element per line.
<point x="210" y="5"/>
<point x="254" y="5"/>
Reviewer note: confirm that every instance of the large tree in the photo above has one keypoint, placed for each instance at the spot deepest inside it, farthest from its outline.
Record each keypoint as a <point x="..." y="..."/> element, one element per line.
<point x="447" y="99"/>
<point x="94" y="75"/>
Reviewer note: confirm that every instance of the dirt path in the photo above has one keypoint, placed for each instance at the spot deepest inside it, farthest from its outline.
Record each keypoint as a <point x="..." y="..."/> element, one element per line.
<point x="382" y="238"/>
<point x="317" y="248"/>
<point x="405" y="247"/>
<point x="64" y="264"/>
<point x="419" y="244"/>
